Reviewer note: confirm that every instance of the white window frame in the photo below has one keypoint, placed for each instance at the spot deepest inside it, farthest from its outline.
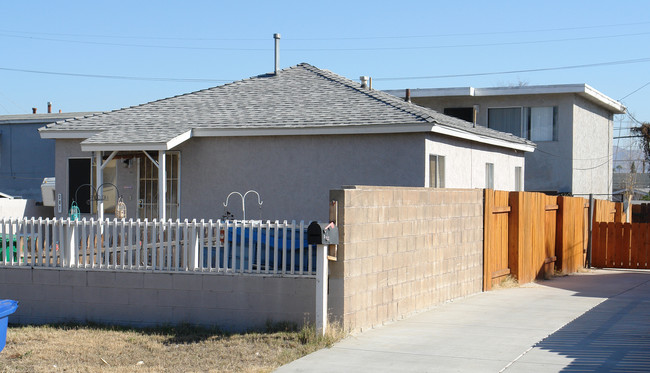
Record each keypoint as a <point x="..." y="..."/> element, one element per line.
<point x="524" y="121"/>
<point x="489" y="175"/>
<point x="142" y="214"/>
<point x="519" y="179"/>
<point x="437" y="176"/>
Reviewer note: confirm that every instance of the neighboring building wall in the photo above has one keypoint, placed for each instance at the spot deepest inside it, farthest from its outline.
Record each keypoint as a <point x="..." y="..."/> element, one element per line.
<point x="293" y="174"/>
<point x="25" y="160"/>
<point x="549" y="167"/>
<point x="147" y="299"/>
<point x="465" y="163"/>
<point x="592" y="149"/>
<point x="404" y="250"/>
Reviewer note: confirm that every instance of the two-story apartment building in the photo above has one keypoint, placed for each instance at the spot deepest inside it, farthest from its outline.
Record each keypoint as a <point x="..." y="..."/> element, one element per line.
<point x="572" y="125"/>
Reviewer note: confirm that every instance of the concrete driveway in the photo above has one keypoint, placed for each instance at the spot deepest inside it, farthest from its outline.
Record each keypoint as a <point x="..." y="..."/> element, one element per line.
<point x="594" y="321"/>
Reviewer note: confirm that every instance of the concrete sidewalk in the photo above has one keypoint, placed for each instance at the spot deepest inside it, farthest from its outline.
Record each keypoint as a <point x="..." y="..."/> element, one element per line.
<point x="595" y="321"/>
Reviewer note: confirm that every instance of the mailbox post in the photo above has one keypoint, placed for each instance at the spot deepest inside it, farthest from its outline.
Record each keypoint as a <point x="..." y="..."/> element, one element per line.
<point x="322" y="235"/>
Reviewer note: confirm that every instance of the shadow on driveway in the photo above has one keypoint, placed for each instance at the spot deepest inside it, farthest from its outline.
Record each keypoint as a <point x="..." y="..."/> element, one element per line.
<point x="613" y="336"/>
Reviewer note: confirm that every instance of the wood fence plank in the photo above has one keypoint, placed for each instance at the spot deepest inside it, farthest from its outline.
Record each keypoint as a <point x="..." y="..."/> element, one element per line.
<point x="619" y="245"/>
<point x="645" y="253"/>
<point x="627" y="245"/>
<point x="635" y="245"/>
<point x="487" y="238"/>
<point x="611" y="244"/>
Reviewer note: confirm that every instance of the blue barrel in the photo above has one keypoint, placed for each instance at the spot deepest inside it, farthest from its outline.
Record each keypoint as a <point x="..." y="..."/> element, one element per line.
<point x="7" y="307"/>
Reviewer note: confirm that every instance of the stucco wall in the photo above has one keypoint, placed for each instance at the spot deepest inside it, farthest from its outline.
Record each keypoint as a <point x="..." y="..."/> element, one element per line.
<point x="592" y="149"/>
<point x="465" y="163"/>
<point x="148" y="299"/>
<point x="25" y="159"/>
<point x="292" y="174"/>
<point x="549" y="167"/>
<point x="404" y="250"/>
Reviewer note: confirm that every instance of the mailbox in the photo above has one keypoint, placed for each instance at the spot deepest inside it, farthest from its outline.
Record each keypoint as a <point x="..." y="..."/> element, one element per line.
<point x="322" y="234"/>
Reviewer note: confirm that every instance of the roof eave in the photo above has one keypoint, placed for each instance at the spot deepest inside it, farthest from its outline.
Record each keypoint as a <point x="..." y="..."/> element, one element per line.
<point x="48" y="133"/>
<point x="449" y="131"/>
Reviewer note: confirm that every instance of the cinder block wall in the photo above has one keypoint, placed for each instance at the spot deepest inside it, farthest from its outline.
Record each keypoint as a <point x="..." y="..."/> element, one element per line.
<point x="404" y="250"/>
<point x="147" y="299"/>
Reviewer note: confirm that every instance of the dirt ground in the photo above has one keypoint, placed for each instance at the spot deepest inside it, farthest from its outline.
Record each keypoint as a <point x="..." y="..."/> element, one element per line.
<point x="78" y="348"/>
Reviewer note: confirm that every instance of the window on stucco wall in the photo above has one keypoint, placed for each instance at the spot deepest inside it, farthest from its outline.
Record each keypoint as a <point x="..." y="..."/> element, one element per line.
<point x="532" y="123"/>
<point x="436" y="171"/>
<point x="489" y="175"/>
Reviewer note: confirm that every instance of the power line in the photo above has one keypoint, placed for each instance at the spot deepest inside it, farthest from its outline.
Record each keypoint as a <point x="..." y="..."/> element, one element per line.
<point x="462" y="45"/>
<point x="121" y="77"/>
<point x="137" y="45"/>
<point x="635" y="91"/>
<point x="620" y="62"/>
<point x="472" y="45"/>
<point x="504" y="32"/>
<point x="199" y="80"/>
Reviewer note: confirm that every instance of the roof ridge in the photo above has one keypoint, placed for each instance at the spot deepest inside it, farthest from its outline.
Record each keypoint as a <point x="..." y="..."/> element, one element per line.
<point x="171" y="97"/>
<point x="376" y="94"/>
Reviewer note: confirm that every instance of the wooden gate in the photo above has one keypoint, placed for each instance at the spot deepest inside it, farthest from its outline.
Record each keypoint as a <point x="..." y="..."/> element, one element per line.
<point x="621" y="245"/>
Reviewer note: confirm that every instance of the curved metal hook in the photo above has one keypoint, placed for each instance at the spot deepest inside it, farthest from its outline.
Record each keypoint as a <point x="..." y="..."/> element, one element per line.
<point x="243" y="198"/>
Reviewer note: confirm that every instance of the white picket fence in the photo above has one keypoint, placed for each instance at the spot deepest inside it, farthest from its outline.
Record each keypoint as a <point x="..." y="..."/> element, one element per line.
<point x="235" y="247"/>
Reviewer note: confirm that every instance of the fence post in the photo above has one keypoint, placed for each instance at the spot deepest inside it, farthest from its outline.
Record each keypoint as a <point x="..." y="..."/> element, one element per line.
<point x="71" y="244"/>
<point x="591" y="227"/>
<point x="321" y="289"/>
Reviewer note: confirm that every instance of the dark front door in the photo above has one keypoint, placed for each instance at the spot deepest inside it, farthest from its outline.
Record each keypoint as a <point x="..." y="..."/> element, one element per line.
<point x="78" y="175"/>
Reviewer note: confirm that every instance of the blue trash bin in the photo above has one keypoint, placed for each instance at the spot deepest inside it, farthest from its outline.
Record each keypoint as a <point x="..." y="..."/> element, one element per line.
<point x="7" y="307"/>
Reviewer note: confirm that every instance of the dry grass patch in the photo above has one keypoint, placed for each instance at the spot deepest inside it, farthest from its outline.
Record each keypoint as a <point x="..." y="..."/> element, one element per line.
<point x="92" y="348"/>
<point x="508" y="282"/>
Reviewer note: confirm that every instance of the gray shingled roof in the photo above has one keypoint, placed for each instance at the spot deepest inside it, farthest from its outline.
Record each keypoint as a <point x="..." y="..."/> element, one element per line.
<point x="297" y="97"/>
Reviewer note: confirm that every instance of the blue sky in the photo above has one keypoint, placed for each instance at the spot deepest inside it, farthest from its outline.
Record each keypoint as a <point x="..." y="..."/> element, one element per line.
<point x="216" y="42"/>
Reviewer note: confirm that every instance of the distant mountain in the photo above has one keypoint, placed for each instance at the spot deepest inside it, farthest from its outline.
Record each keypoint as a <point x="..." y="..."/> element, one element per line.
<point x="623" y="158"/>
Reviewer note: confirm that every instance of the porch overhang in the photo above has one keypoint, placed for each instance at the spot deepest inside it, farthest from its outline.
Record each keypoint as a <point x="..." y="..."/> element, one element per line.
<point x="97" y="143"/>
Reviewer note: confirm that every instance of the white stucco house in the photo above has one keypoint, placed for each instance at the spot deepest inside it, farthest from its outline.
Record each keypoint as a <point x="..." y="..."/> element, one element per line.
<point x="291" y="136"/>
<point x="571" y="124"/>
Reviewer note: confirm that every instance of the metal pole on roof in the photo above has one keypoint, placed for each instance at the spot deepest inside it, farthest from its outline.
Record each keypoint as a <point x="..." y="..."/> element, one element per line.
<point x="277" y="52"/>
<point x="100" y="180"/>
<point x="162" y="186"/>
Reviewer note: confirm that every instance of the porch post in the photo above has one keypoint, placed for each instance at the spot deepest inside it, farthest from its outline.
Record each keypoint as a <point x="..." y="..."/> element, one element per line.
<point x="100" y="180"/>
<point x="162" y="186"/>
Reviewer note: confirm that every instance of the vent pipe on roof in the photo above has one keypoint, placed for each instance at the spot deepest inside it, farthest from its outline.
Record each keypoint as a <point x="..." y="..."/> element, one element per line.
<point x="407" y="95"/>
<point x="277" y="52"/>
<point x="49" y="107"/>
<point x="364" y="81"/>
<point x="33" y="110"/>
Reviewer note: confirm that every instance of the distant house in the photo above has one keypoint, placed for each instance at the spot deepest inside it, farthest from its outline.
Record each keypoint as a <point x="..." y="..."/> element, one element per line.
<point x="291" y="136"/>
<point x="572" y="125"/>
<point x="25" y="158"/>
<point x="637" y="184"/>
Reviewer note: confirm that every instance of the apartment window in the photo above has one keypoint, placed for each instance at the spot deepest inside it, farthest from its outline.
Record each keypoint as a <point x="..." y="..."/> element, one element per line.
<point x="436" y="171"/>
<point x="489" y="175"/>
<point x="518" y="180"/>
<point x="532" y="123"/>
<point x="464" y="113"/>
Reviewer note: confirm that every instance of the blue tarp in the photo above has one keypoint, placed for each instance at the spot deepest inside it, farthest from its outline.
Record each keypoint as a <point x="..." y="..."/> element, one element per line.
<point x="284" y="243"/>
<point x="7" y="307"/>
